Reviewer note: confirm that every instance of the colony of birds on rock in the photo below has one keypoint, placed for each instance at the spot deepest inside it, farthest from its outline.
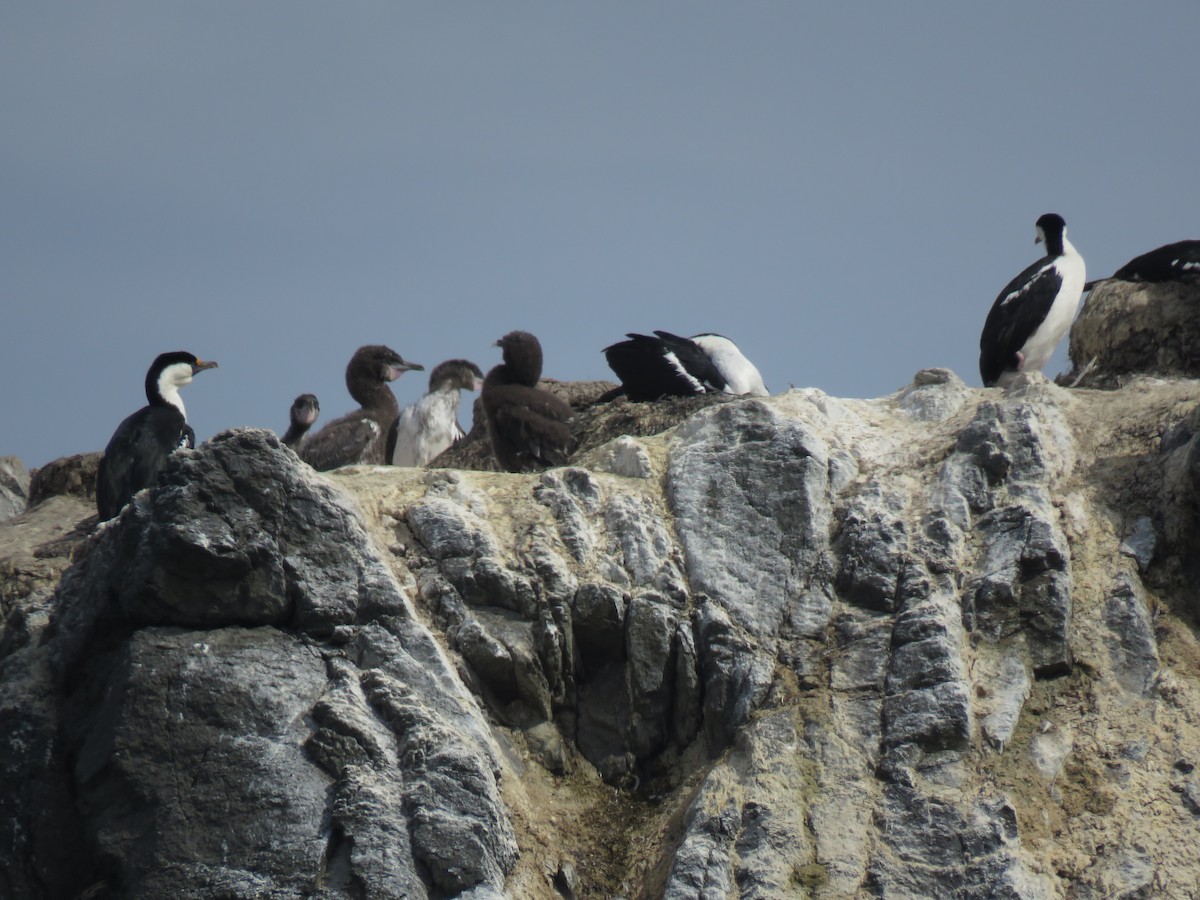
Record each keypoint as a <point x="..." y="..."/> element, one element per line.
<point x="528" y="427"/>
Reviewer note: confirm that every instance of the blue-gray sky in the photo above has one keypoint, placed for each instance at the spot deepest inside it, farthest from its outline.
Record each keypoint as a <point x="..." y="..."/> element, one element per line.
<point x="842" y="189"/>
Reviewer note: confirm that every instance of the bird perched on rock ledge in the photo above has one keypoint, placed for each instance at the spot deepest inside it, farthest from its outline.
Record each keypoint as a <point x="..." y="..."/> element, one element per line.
<point x="1034" y="310"/>
<point x="301" y="416"/>
<point x="430" y="425"/>
<point x="667" y="365"/>
<point x="143" y="441"/>
<point x="527" y="426"/>
<point x="365" y="435"/>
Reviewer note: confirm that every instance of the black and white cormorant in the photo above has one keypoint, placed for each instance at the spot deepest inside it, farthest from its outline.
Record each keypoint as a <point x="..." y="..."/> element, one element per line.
<point x="667" y="365"/>
<point x="1034" y="310"/>
<point x="1171" y="262"/>
<point x="430" y="425"/>
<point x="143" y="441"/>
<point x="363" y="436"/>
<point x="527" y="426"/>
<point x="301" y="416"/>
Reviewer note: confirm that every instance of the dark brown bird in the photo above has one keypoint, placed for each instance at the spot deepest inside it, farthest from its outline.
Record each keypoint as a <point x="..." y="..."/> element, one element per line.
<point x="301" y="416"/>
<point x="527" y="426"/>
<point x="365" y="435"/>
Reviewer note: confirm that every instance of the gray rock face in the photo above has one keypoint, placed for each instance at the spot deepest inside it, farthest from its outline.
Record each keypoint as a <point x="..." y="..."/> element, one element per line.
<point x="174" y="700"/>
<point x="1132" y="646"/>
<point x="750" y="490"/>
<point x="250" y="706"/>
<point x="789" y="647"/>
<point x="1127" y="328"/>
<point x="14" y="487"/>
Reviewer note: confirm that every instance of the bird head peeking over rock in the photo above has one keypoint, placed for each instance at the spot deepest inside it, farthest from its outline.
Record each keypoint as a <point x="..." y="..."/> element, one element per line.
<point x="304" y="412"/>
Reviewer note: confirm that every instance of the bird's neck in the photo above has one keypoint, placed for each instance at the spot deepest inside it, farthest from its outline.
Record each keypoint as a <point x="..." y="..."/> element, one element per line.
<point x="446" y="400"/>
<point x="1058" y="246"/>
<point x="446" y="390"/>
<point x="496" y="376"/>
<point x="374" y="395"/>
<point x="296" y="430"/>
<point x="524" y="370"/>
<point x="168" y="395"/>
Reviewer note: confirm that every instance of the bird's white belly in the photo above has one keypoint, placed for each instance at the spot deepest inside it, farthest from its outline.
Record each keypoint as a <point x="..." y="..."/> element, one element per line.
<point x="1040" y="346"/>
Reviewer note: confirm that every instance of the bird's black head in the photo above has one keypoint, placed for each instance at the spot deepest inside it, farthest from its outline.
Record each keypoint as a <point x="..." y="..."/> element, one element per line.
<point x="1051" y="229"/>
<point x="461" y="374"/>
<point x="522" y="357"/>
<point x="376" y="362"/>
<point x="305" y="410"/>
<point x="171" y="371"/>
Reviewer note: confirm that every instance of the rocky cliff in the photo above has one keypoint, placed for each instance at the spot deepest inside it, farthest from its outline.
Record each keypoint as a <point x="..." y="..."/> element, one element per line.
<point x="939" y="644"/>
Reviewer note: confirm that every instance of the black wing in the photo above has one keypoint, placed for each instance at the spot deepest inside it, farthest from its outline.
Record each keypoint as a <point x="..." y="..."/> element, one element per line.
<point x="352" y="439"/>
<point x="694" y="359"/>
<point x="648" y="373"/>
<point x="136" y="454"/>
<point x="1021" y="307"/>
<point x="1171" y="262"/>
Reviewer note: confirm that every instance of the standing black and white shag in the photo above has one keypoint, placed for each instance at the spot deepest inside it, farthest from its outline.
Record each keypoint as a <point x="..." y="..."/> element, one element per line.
<point x="1171" y="262"/>
<point x="143" y="441"/>
<point x="667" y="365"/>
<point x="363" y="436"/>
<point x="1034" y="310"/>
<point x="301" y="416"/>
<point x="527" y="426"/>
<point x="430" y="425"/>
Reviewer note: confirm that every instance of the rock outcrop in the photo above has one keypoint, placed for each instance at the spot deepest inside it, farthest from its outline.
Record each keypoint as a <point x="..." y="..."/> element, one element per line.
<point x="14" y="487"/>
<point x="1129" y="328"/>
<point x="73" y="476"/>
<point x="237" y="697"/>
<point x="940" y="644"/>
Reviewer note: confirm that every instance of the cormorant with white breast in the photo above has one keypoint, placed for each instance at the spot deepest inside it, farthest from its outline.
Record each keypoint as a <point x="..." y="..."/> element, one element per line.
<point x="301" y="416"/>
<point x="365" y="435"/>
<point x="430" y="425"/>
<point x="527" y="426"/>
<point x="1179" y="261"/>
<point x="143" y="441"/>
<point x="667" y="365"/>
<point x="1034" y="310"/>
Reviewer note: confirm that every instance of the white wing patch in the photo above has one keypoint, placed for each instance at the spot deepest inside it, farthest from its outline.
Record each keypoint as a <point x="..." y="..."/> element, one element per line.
<point x="1028" y="285"/>
<point x="691" y="379"/>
